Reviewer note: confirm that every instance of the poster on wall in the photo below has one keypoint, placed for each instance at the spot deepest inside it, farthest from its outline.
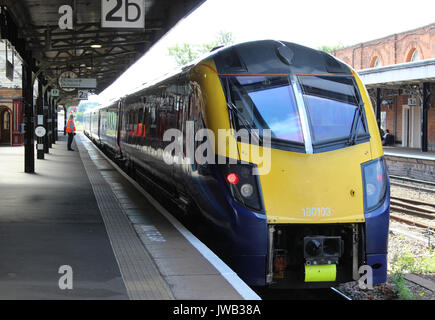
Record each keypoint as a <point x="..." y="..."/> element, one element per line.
<point x="9" y="62"/>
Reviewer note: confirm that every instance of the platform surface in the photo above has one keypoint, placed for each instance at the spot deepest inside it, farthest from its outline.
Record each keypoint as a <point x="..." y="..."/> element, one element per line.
<point x="50" y="219"/>
<point x="79" y="211"/>
<point x="409" y="153"/>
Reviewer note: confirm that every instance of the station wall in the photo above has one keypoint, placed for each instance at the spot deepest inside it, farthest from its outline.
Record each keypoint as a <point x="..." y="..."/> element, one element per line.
<point x="418" y="44"/>
<point x="11" y="116"/>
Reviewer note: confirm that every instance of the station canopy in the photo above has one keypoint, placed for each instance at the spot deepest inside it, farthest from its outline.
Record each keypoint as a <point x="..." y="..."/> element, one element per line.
<point x="88" y="50"/>
<point x="399" y="75"/>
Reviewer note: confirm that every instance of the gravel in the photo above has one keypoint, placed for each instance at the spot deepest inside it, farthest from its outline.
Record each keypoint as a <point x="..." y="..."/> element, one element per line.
<point x="399" y="244"/>
<point x="397" y="191"/>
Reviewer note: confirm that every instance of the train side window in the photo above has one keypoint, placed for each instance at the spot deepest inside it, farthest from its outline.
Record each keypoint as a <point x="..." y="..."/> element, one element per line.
<point x="124" y="121"/>
<point x="140" y="115"/>
<point x="147" y="116"/>
<point x="153" y="119"/>
<point x="195" y="115"/>
<point x="139" y="132"/>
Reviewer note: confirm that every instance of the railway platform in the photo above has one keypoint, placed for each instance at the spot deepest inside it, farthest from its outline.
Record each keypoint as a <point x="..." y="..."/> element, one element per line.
<point x="409" y="153"/>
<point x="81" y="229"/>
<point x="411" y="163"/>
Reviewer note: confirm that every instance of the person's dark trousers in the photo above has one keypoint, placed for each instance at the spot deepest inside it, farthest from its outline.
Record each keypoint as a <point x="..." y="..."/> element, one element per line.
<point x="70" y="140"/>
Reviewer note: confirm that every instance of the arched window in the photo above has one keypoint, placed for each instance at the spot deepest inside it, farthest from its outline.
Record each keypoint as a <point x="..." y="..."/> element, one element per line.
<point x="415" y="56"/>
<point x="376" y="62"/>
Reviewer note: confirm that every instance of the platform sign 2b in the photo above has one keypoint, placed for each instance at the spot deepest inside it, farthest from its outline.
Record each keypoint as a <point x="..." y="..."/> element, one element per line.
<point x="83" y="94"/>
<point x="123" y="14"/>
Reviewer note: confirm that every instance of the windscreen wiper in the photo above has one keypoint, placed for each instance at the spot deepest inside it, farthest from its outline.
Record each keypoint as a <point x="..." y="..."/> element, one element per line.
<point x="353" y="137"/>
<point x="233" y="110"/>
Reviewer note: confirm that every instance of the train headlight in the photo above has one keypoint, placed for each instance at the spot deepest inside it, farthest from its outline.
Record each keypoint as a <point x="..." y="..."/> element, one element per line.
<point x="247" y="190"/>
<point x="371" y="189"/>
<point x="375" y="181"/>
<point x="243" y="184"/>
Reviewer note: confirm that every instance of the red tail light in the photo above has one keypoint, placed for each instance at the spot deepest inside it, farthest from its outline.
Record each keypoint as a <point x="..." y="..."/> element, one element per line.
<point x="243" y="185"/>
<point x="233" y="178"/>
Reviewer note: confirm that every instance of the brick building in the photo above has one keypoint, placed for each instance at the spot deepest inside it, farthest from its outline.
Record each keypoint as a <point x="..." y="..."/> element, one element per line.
<point x="11" y="116"/>
<point x="11" y="112"/>
<point x="399" y="73"/>
<point x="413" y="45"/>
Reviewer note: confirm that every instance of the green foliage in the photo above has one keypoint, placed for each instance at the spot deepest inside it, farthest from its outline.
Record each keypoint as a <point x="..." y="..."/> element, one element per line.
<point x="407" y="263"/>
<point x="330" y="49"/>
<point x="187" y="52"/>
<point x="224" y="38"/>
<point x="402" y="291"/>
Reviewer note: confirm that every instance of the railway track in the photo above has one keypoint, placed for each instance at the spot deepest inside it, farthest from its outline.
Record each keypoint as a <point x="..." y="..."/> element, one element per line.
<point x="414" y="212"/>
<point x="413" y="208"/>
<point x="419" y="185"/>
<point x="304" y="294"/>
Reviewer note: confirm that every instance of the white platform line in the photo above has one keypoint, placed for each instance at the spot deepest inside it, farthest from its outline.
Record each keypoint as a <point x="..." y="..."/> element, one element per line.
<point x="236" y="282"/>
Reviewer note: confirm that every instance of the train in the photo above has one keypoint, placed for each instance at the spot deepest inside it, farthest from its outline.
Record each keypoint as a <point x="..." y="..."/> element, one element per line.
<point x="274" y="149"/>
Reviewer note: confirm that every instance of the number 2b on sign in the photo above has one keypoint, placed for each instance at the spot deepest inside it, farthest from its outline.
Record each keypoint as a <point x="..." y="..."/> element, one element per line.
<point x="123" y="14"/>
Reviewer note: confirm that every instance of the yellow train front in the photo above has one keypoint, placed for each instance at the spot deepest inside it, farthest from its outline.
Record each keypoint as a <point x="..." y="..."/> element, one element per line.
<point x="273" y="150"/>
<point x="316" y="208"/>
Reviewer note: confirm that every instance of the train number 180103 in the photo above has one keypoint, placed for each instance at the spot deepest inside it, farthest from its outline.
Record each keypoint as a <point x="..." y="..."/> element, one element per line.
<point x="317" y="212"/>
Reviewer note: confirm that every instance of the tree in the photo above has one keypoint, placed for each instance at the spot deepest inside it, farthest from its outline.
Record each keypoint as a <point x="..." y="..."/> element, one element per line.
<point x="184" y="53"/>
<point x="187" y="52"/>
<point x="224" y="38"/>
<point x="330" y="49"/>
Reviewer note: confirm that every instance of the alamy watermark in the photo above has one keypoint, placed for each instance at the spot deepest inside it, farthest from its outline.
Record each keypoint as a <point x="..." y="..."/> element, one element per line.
<point x="365" y="280"/>
<point x="199" y="147"/>
<point x="66" y="280"/>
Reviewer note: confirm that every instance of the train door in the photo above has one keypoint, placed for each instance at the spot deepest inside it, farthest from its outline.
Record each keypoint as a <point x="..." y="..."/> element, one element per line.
<point x="5" y="126"/>
<point x="99" y="124"/>
<point x="411" y="126"/>
<point x="119" y="124"/>
<point x="180" y="116"/>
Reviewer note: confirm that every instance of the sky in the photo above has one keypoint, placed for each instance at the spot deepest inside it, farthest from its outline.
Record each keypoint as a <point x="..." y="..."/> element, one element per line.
<point x="311" y="23"/>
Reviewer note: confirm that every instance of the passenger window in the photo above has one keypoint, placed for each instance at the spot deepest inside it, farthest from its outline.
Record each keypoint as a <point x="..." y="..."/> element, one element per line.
<point x="140" y="123"/>
<point x="153" y="118"/>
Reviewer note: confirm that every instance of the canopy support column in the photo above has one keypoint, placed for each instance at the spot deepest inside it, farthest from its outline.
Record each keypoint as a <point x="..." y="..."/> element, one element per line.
<point x="29" y="145"/>
<point x="378" y="107"/>
<point x="424" y="116"/>
<point x="40" y="121"/>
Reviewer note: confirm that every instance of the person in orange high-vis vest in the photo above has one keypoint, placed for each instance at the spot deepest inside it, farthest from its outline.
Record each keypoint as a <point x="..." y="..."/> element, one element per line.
<point x="71" y="130"/>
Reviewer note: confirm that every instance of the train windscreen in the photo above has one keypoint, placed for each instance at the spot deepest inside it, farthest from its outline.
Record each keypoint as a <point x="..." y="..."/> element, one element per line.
<point x="267" y="103"/>
<point x="330" y="104"/>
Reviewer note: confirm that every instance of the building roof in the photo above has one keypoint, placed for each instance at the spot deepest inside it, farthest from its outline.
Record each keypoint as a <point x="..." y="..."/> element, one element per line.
<point x="377" y="40"/>
<point x="56" y="50"/>
<point x="399" y="74"/>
